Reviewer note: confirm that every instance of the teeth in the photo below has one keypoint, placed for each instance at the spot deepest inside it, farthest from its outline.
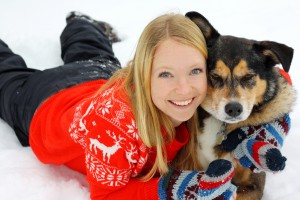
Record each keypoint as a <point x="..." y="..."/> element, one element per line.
<point x="182" y="103"/>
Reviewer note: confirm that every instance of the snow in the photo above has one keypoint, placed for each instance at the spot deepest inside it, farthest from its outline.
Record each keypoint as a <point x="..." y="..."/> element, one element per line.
<point x="32" y="28"/>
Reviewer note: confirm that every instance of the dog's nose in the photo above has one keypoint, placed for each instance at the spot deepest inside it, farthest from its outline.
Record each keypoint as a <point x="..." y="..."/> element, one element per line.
<point x="233" y="109"/>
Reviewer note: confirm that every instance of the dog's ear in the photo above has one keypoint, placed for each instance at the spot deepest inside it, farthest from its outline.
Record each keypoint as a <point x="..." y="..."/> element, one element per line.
<point x="275" y="53"/>
<point x="209" y="32"/>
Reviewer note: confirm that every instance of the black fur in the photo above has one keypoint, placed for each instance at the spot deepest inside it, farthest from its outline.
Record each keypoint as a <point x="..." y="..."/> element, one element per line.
<point x="267" y="52"/>
<point x="261" y="56"/>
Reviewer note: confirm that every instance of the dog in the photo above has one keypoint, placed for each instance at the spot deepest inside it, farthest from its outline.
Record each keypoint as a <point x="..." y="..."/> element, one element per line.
<point x="244" y="88"/>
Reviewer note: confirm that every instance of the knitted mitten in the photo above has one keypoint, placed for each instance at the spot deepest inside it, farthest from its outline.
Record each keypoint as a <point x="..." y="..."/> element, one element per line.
<point x="214" y="182"/>
<point x="259" y="156"/>
<point x="228" y="194"/>
<point x="257" y="147"/>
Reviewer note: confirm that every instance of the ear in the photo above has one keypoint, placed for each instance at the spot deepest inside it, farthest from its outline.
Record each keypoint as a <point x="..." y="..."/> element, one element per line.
<point x="275" y="53"/>
<point x="209" y="32"/>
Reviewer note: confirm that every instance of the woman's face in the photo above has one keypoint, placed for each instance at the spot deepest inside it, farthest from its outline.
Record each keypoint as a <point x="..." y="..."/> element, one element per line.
<point x="178" y="80"/>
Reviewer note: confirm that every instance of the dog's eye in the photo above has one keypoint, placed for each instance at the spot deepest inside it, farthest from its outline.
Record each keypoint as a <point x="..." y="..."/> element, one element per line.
<point x="216" y="80"/>
<point x="248" y="80"/>
<point x="216" y="77"/>
<point x="247" y="77"/>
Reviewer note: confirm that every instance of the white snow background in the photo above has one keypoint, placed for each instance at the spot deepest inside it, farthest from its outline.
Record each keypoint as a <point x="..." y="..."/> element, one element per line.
<point x="32" y="28"/>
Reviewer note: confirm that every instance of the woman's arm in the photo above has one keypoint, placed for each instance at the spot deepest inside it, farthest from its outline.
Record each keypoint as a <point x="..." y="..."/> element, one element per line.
<point x="215" y="183"/>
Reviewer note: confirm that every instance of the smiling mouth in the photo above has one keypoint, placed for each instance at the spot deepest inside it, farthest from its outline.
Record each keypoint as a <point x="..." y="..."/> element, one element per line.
<point x="182" y="103"/>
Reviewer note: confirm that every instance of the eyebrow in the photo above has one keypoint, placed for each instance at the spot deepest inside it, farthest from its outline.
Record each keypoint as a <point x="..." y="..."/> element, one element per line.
<point x="162" y="68"/>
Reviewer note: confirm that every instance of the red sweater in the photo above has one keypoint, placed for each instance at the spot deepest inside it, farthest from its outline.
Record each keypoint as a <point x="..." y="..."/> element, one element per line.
<point x="95" y="134"/>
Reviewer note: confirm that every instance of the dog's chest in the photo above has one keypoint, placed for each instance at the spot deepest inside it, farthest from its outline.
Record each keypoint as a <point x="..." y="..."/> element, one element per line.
<point x="207" y="140"/>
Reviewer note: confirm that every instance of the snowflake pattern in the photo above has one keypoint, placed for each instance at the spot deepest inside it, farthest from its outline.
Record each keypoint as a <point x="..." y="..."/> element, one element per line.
<point x="132" y="130"/>
<point x="104" y="107"/>
<point x="106" y="175"/>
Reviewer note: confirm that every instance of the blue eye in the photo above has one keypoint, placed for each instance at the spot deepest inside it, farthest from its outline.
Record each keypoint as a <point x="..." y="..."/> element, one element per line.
<point x="197" y="71"/>
<point x="165" y="75"/>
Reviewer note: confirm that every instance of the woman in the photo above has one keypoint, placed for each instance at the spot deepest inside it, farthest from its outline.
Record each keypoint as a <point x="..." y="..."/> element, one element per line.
<point x="122" y="133"/>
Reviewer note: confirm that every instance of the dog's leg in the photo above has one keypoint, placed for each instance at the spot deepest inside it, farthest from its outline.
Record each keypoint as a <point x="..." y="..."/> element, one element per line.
<point x="250" y="185"/>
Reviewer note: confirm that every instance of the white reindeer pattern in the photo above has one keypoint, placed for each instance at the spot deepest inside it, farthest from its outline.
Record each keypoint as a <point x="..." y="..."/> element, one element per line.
<point x="82" y="126"/>
<point x="129" y="153"/>
<point x="106" y="151"/>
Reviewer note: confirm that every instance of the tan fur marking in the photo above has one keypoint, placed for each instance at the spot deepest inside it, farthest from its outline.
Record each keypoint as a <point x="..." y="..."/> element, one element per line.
<point x="241" y="175"/>
<point x="251" y="185"/>
<point x="282" y="103"/>
<point x="259" y="90"/>
<point x="270" y="53"/>
<point x="213" y="95"/>
<point x="241" y="69"/>
<point x="222" y="69"/>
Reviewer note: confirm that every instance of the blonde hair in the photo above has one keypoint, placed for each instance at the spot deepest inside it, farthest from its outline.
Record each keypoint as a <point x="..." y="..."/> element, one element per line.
<point x="137" y="82"/>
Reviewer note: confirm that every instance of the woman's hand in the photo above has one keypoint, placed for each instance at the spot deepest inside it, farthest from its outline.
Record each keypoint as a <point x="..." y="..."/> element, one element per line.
<point x="214" y="183"/>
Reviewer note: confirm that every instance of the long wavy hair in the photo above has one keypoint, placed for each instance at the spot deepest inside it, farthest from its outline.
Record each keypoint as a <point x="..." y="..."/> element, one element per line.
<point x="137" y="82"/>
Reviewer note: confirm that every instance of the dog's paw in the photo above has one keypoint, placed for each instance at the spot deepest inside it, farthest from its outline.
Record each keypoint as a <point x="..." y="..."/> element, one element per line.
<point x="233" y="139"/>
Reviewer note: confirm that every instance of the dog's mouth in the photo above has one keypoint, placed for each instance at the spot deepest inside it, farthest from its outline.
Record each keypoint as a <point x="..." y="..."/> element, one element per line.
<point x="232" y="120"/>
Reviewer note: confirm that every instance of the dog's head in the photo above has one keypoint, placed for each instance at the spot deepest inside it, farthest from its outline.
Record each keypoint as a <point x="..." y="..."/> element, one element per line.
<point x="241" y="72"/>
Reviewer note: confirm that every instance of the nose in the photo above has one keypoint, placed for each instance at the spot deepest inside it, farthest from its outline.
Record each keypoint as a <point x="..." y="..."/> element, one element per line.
<point x="183" y="86"/>
<point x="233" y="109"/>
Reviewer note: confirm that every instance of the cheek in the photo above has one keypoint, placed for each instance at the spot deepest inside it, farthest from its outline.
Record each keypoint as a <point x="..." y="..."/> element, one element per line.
<point x="201" y="87"/>
<point x="153" y="92"/>
<point x="157" y="92"/>
<point x="154" y="99"/>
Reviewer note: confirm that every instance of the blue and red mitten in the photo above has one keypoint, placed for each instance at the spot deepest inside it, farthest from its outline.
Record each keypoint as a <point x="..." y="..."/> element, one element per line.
<point x="259" y="156"/>
<point x="214" y="183"/>
<point x="258" y="147"/>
